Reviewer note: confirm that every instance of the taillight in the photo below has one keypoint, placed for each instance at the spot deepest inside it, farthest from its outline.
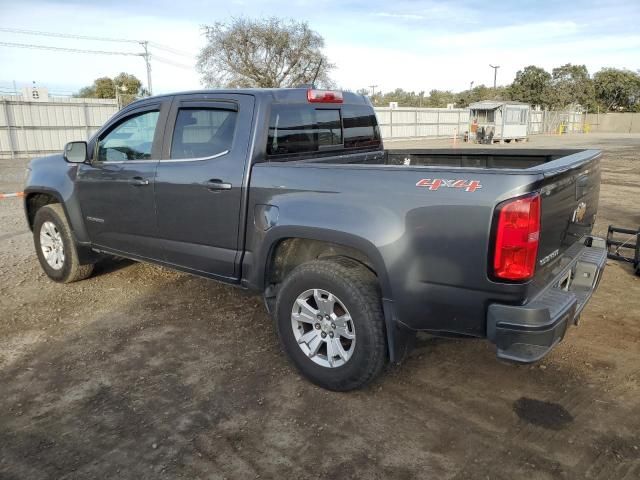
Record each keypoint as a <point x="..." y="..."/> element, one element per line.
<point x="517" y="236"/>
<point x="324" y="96"/>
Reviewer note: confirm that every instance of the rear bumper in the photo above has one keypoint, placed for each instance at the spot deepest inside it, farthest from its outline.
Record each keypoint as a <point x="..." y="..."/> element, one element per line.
<point x="526" y="333"/>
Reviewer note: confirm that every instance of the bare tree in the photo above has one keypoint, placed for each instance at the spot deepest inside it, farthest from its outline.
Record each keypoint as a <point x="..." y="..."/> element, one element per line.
<point x="262" y="53"/>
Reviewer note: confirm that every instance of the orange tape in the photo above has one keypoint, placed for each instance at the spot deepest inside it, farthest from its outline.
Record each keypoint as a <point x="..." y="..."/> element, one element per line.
<point x="11" y="195"/>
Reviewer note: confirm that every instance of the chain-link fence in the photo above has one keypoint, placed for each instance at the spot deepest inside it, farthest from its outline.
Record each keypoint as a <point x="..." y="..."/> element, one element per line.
<point x="545" y="121"/>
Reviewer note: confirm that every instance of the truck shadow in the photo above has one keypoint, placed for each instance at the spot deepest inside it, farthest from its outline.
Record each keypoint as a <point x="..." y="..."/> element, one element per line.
<point x="108" y="265"/>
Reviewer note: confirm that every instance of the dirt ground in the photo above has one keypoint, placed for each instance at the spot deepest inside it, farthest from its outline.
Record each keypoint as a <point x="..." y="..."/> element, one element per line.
<point x="140" y="372"/>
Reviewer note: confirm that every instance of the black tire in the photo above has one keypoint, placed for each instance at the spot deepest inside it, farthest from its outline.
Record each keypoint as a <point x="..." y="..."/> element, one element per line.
<point x="359" y="291"/>
<point x="71" y="270"/>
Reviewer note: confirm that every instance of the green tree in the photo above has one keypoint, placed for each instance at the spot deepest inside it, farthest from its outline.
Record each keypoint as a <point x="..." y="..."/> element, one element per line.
<point x="129" y="88"/>
<point x="102" y="87"/>
<point x="479" y="93"/>
<point x="404" y="98"/>
<point x="617" y="89"/>
<point x="531" y="86"/>
<point x="263" y="53"/>
<point x="127" y="83"/>
<point x="571" y="84"/>
<point x="440" y="98"/>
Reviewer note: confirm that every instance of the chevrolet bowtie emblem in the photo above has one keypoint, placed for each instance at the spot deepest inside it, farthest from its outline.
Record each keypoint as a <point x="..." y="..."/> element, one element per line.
<point x="579" y="212"/>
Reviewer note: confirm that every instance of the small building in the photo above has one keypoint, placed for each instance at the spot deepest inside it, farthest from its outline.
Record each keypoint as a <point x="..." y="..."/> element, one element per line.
<point x="497" y="121"/>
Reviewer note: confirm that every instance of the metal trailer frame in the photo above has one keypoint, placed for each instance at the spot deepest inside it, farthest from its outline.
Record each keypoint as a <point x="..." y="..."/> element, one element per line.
<point x="614" y="246"/>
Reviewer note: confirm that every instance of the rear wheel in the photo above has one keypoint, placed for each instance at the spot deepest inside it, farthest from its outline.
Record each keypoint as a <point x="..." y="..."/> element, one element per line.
<point x="55" y="246"/>
<point x="330" y="323"/>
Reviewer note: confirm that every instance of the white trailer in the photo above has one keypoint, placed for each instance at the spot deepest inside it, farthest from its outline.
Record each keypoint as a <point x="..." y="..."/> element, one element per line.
<point x="496" y="121"/>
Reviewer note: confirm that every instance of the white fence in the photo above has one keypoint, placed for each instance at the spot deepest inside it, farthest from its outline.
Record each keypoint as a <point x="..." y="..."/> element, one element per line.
<point x="28" y="129"/>
<point x="443" y="122"/>
<point x="422" y="122"/>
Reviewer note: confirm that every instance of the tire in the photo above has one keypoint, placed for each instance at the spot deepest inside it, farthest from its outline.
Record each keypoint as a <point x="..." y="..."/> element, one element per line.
<point x="355" y="290"/>
<point x="51" y="228"/>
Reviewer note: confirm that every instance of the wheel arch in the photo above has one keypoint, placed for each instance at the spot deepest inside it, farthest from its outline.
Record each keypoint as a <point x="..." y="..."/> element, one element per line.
<point x="288" y="247"/>
<point x="34" y="200"/>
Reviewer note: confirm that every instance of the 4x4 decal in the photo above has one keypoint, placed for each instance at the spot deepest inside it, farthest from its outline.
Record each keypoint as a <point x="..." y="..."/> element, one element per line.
<point x="436" y="183"/>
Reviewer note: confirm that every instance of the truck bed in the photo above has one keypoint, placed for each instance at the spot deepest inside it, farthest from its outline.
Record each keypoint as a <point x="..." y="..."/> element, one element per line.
<point x="533" y="160"/>
<point x="430" y="214"/>
<point x="476" y="158"/>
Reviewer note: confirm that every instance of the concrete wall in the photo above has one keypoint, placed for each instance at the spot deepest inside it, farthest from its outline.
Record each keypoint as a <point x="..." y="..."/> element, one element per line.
<point x="614" y="122"/>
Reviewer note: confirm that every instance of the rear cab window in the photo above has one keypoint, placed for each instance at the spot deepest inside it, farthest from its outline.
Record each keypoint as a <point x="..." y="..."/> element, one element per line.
<point x="299" y="130"/>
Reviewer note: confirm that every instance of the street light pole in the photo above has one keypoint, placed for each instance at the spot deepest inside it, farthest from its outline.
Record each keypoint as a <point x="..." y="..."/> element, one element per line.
<point x="373" y="92"/>
<point x="121" y="88"/>
<point x="495" y="74"/>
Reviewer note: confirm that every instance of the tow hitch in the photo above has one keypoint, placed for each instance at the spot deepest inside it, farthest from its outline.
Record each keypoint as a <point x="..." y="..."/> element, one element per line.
<point x="632" y="243"/>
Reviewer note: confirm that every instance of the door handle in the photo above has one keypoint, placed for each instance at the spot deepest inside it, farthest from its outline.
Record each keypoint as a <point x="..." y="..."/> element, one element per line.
<point x="139" y="181"/>
<point x="216" y="184"/>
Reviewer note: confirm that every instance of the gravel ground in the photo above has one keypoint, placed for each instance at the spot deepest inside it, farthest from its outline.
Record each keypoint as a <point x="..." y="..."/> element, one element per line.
<point x="140" y="372"/>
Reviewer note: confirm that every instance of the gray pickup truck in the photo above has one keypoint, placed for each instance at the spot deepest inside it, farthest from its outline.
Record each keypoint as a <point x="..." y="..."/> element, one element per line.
<point x="289" y="192"/>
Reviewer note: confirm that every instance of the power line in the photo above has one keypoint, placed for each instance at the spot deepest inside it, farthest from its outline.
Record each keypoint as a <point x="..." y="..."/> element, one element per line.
<point x="144" y="55"/>
<point x="72" y="50"/>
<point x="171" y="62"/>
<point x="66" y="35"/>
<point x="170" y="50"/>
<point x="157" y="45"/>
<point x="144" y="43"/>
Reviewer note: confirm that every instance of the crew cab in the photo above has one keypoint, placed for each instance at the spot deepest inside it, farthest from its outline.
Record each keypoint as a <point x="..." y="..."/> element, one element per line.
<point x="289" y="192"/>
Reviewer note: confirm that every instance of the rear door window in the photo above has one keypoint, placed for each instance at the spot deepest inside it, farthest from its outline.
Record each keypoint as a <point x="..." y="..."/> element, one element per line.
<point x="202" y="132"/>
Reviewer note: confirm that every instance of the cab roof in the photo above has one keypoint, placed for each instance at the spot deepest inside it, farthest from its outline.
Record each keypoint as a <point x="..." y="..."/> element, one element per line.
<point x="275" y="95"/>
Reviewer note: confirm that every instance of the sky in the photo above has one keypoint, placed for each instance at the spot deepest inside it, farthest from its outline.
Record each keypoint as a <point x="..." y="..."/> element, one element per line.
<point x="414" y="45"/>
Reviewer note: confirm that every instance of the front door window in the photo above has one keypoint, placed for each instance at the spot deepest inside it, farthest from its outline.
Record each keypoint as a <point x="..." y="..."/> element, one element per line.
<point x="131" y="139"/>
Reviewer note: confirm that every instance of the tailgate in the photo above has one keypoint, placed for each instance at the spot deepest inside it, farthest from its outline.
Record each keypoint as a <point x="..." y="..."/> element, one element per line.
<point x="569" y="202"/>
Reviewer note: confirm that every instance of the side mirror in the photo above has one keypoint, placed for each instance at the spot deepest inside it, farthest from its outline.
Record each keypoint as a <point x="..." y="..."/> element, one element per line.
<point x="75" y="152"/>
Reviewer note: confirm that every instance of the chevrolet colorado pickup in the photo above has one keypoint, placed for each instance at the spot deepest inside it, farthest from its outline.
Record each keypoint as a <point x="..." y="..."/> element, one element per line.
<point x="289" y="192"/>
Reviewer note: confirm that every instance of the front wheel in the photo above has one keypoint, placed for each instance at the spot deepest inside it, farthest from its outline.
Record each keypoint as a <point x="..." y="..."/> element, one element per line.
<point x="55" y="246"/>
<point x="330" y="323"/>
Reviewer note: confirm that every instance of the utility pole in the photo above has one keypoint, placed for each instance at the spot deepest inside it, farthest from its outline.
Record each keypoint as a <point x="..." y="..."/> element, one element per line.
<point x="495" y="74"/>
<point x="373" y="90"/>
<point x="146" y="55"/>
<point x="471" y="85"/>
